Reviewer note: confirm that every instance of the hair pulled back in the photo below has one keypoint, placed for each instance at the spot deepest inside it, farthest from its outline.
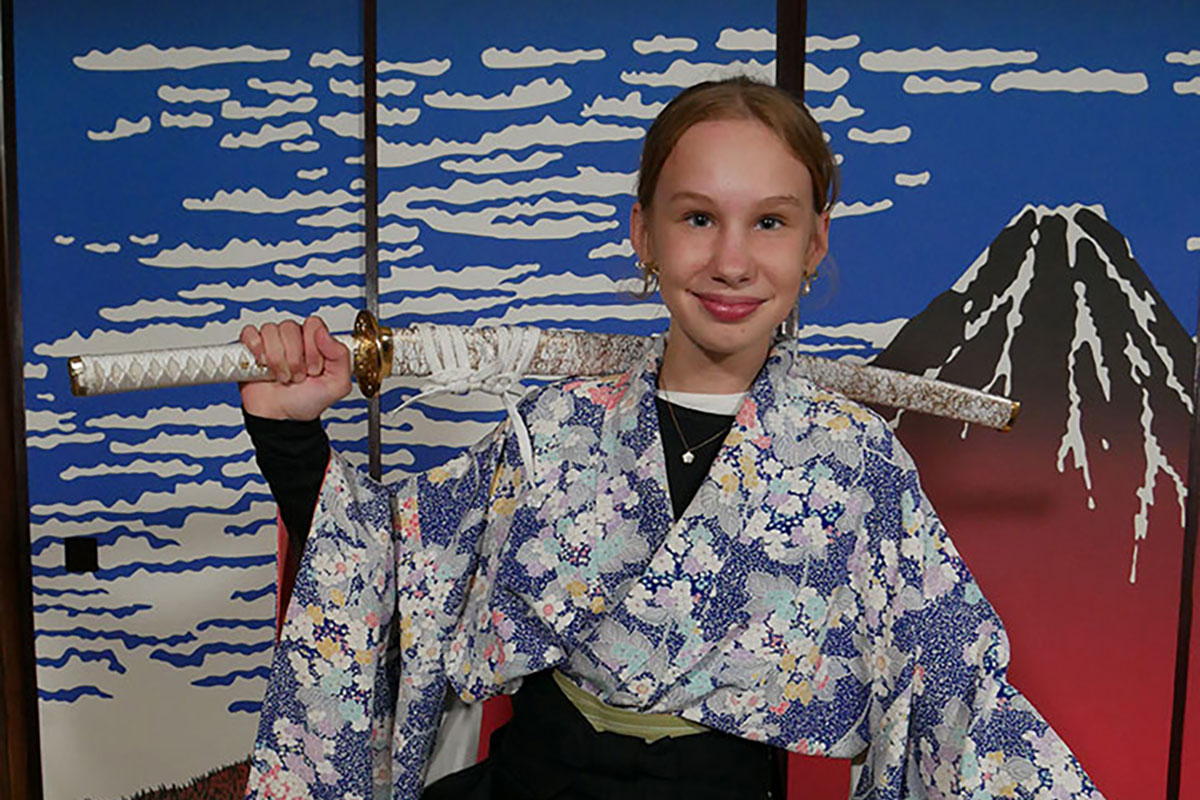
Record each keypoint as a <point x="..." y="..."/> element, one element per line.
<point x="740" y="98"/>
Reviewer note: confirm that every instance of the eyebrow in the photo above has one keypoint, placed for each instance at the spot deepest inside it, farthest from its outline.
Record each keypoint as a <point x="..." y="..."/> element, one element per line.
<point x="782" y="199"/>
<point x="775" y="199"/>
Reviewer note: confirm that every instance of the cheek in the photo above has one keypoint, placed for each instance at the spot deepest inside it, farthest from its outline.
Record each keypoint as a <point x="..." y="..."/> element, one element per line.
<point x="785" y="260"/>
<point x="680" y="256"/>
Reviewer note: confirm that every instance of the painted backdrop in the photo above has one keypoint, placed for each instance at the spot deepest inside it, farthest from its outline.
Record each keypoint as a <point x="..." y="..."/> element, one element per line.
<point x="1015" y="216"/>
<point x="1028" y="219"/>
<point x="185" y="172"/>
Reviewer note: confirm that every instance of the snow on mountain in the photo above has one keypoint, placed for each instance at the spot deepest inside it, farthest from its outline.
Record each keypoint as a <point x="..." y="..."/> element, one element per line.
<point x="1057" y="313"/>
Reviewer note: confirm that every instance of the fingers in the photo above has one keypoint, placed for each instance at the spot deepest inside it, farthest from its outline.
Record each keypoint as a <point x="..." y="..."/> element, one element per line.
<point x="283" y="351"/>
<point x="293" y="352"/>
<point x="254" y="343"/>
<point x="314" y="358"/>
<point x="273" y="356"/>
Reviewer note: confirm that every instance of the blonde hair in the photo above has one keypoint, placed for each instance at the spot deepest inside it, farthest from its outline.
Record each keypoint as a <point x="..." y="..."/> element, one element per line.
<point x="740" y="98"/>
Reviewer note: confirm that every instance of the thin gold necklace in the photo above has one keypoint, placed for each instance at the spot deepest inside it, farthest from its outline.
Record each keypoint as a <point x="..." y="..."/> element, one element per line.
<point x="687" y="456"/>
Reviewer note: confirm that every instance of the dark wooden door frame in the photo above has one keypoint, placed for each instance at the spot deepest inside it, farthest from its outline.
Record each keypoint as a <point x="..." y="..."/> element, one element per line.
<point x="1187" y="595"/>
<point x="20" y="749"/>
<point x="791" y="30"/>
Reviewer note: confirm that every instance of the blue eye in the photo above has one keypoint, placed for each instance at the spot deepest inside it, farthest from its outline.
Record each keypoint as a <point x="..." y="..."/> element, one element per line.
<point x="698" y="219"/>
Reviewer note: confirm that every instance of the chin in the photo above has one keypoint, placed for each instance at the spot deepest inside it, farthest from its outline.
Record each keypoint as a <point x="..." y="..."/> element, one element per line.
<point x="718" y="344"/>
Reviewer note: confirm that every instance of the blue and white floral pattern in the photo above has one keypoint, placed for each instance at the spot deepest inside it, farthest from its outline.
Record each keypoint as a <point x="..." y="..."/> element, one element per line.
<point x="808" y="597"/>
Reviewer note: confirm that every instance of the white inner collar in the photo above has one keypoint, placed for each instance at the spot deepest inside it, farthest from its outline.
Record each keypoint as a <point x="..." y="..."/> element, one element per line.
<point x="725" y="404"/>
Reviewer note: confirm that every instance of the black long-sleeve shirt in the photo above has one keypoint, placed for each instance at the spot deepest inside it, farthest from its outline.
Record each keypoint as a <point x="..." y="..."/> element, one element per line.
<point x="293" y="456"/>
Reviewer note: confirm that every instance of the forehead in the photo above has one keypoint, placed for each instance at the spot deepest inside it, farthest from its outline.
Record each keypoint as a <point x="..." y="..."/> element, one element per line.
<point x="734" y="157"/>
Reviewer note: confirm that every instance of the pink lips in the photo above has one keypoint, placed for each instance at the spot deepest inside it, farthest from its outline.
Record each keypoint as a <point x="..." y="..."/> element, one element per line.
<point x="728" y="309"/>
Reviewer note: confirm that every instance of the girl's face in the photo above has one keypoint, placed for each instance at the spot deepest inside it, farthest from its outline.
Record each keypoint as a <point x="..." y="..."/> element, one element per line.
<point x="734" y="234"/>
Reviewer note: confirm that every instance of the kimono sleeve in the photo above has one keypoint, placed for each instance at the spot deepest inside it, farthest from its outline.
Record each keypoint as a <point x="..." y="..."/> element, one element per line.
<point x="356" y="685"/>
<point x="945" y="723"/>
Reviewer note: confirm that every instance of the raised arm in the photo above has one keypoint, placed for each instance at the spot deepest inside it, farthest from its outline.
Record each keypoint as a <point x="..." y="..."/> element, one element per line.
<point x="312" y="372"/>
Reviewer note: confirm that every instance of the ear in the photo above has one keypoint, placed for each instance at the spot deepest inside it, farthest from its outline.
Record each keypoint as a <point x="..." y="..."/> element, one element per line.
<point x="639" y="233"/>
<point x="818" y="244"/>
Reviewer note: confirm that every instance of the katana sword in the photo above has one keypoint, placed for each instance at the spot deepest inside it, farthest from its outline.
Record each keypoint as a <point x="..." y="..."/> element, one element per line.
<point x="379" y="352"/>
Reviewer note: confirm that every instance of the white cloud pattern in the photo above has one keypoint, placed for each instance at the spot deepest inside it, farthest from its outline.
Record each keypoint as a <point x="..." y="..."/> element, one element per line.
<point x="622" y="249"/>
<point x="392" y="87"/>
<point x="859" y="208"/>
<point x="430" y="67"/>
<point x="1075" y="81"/>
<point x="1189" y="59"/>
<point x="530" y="56"/>
<point x="124" y="128"/>
<point x="196" y="119"/>
<point x="547" y="131"/>
<point x="908" y="179"/>
<point x="914" y="84"/>
<point x="748" y="39"/>
<point x="147" y="56"/>
<point x="352" y="126"/>
<point x="285" y="88"/>
<point x="169" y="468"/>
<point x="233" y="109"/>
<point x="501" y="163"/>
<point x="687" y="73"/>
<point x="880" y="135"/>
<point x="1187" y="87"/>
<point x="937" y="59"/>
<point x="535" y="93"/>
<point x="839" y="110"/>
<point x="185" y="94"/>
<point x="267" y="134"/>
<point x="817" y="81"/>
<point x="818" y="44"/>
<point x="256" y="201"/>
<point x="333" y="58"/>
<point x="630" y="105"/>
<point x="665" y="44"/>
<point x="159" y="308"/>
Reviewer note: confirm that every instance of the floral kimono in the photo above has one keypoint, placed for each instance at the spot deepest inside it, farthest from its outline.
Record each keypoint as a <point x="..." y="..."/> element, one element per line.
<point x="808" y="598"/>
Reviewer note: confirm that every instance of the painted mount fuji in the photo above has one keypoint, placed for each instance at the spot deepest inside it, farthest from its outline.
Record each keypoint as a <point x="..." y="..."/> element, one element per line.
<point x="1073" y="522"/>
<point x="1058" y="314"/>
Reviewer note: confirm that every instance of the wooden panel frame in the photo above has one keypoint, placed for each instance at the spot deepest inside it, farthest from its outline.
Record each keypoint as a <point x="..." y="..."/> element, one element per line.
<point x="1187" y="596"/>
<point x="20" y="747"/>
<point x="791" y="30"/>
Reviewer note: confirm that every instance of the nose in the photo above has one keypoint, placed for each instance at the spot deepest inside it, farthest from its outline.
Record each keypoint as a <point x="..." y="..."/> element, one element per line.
<point x="731" y="260"/>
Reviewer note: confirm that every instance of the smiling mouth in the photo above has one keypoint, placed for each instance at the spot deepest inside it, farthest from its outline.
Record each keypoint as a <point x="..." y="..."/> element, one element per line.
<point x="729" y="309"/>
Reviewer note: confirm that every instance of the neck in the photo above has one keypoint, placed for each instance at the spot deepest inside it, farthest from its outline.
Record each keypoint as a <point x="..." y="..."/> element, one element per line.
<point x="687" y="367"/>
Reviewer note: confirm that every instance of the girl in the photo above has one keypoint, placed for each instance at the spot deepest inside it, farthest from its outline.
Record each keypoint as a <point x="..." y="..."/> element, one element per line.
<point x="707" y="557"/>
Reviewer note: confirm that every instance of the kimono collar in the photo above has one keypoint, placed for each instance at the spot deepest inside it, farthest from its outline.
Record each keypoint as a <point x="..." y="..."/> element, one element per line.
<point x="770" y="384"/>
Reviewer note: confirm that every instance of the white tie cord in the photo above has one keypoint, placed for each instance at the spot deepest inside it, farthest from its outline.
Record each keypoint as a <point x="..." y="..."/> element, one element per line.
<point x="499" y="371"/>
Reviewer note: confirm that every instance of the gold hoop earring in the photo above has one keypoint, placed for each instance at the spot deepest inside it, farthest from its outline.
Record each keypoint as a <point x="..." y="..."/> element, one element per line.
<point x="649" y="272"/>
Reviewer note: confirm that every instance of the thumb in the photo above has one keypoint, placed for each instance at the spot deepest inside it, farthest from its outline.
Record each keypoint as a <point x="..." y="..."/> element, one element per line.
<point x="330" y="348"/>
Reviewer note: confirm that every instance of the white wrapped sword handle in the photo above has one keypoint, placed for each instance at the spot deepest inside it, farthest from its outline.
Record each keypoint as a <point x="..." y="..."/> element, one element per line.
<point x="379" y="352"/>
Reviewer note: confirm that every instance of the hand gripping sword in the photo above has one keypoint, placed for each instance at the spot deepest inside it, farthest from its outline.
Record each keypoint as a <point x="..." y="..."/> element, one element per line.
<point x="379" y="352"/>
